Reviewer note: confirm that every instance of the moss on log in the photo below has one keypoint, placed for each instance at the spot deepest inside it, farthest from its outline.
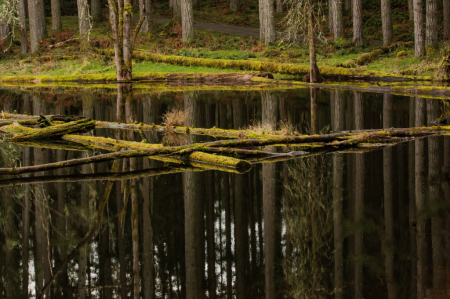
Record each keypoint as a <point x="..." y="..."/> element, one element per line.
<point x="219" y="160"/>
<point x="79" y="126"/>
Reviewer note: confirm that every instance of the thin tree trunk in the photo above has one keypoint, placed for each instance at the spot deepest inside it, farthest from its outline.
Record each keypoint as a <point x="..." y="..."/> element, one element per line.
<point x="56" y="15"/>
<point x="96" y="9"/>
<point x="83" y="24"/>
<point x="187" y="21"/>
<point x="279" y="6"/>
<point x="358" y="37"/>
<point x="37" y="30"/>
<point x="262" y="26"/>
<point x="338" y="23"/>
<point x="127" y="68"/>
<point x="145" y="7"/>
<point x="176" y="9"/>
<point x="314" y="70"/>
<point x="419" y="40"/>
<point x="446" y="19"/>
<point x="269" y="22"/>
<point x="234" y="5"/>
<point x="386" y="22"/>
<point x="411" y="9"/>
<point x="330" y="16"/>
<point x="23" y="26"/>
<point x="25" y="225"/>
<point x="431" y="27"/>
<point x="148" y="270"/>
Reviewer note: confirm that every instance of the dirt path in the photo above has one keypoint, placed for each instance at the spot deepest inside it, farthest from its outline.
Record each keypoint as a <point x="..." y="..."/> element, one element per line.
<point x="230" y="29"/>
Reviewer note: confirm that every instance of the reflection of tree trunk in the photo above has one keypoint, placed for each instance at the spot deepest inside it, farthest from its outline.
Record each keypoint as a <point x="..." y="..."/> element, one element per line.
<point x="25" y="225"/>
<point x="420" y="202"/>
<point x="337" y="121"/>
<point x="435" y="195"/>
<point x="446" y="187"/>
<point x="388" y="201"/>
<point x="9" y="230"/>
<point x="359" y="199"/>
<point x="314" y="120"/>
<point x="269" y="117"/>
<point x="194" y="221"/>
<point x="412" y="202"/>
<point x="42" y="255"/>
<point x="211" y="245"/>
<point x="148" y="273"/>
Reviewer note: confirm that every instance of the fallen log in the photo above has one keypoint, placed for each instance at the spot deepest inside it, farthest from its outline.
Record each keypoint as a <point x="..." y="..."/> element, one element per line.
<point x="79" y="126"/>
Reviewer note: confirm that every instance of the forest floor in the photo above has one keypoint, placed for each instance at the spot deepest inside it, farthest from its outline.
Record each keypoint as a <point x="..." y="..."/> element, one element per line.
<point x="221" y="41"/>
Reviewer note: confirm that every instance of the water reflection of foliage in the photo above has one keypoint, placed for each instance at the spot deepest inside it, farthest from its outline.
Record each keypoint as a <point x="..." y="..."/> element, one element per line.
<point x="309" y="224"/>
<point x="9" y="154"/>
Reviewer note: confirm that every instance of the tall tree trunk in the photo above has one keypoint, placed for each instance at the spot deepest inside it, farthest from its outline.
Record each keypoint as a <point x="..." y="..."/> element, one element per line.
<point x="145" y="8"/>
<point x="411" y="9"/>
<point x="83" y="24"/>
<point x="234" y="5"/>
<point x="37" y="28"/>
<point x="314" y="74"/>
<point x="56" y="15"/>
<point x="338" y="23"/>
<point x="431" y="27"/>
<point x="279" y="6"/>
<point x="23" y="26"/>
<point x="187" y="21"/>
<point x="330" y="16"/>
<point x="446" y="19"/>
<point x="262" y="25"/>
<point x="96" y="10"/>
<point x="177" y="9"/>
<point x="358" y="37"/>
<point x="419" y="40"/>
<point x="386" y="22"/>
<point x="412" y="203"/>
<point x="25" y="222"/>
<point x="148" y="263"/>
<point x="270" y="34"/>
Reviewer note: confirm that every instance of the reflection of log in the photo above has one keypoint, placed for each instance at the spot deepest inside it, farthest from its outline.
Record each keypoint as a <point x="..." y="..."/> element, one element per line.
<point x="83" y="125"/>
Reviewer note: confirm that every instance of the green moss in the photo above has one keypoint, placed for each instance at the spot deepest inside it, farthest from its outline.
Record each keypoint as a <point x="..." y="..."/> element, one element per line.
<point x="402" y="54"/>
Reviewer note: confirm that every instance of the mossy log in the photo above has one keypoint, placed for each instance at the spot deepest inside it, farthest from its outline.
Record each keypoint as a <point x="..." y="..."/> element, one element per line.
<point x="368" y="57"/>
<point x="79" y="126"/>
<point x="219" y="160"/>
<point x="329" y="73"/>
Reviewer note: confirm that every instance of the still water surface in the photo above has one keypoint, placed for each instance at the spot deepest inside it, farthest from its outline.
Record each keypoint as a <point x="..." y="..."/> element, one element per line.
<point x="340" y="225"/>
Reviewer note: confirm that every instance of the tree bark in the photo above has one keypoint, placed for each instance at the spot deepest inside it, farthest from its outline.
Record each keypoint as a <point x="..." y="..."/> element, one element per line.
<point x="176" y="9"/>
<point x="431" y="27"/>
<point x="446" y="19"/>
<point x="234" y="5"/>
<point x="314" y="70"/>
<point x="419" y="40"/>
<point x="330" y="16"/>
<point x="386" y="22"/>
<point x="83" y="24"/>
<point x="411" y="9"/>
<point x="338" y="23"/>
<point x="279" y="6"/>
<point x="187" y="21"/>
<point x="37" y="28"/>
<point x="269" y="22"/>
<point x="56" y="15"/>
<point x="262" y="27"/>
<point x="145" y="8"/>
<point x="23" y="26"/>
<point x="358" y="37"/>
<point x="96" y="9"/>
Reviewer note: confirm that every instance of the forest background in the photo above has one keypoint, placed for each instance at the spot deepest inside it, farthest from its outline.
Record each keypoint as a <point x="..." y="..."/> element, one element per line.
<point x="53" y="37"/>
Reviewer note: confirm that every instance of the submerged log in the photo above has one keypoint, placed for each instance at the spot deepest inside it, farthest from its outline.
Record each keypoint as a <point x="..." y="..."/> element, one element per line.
<point x="79" y="126"/>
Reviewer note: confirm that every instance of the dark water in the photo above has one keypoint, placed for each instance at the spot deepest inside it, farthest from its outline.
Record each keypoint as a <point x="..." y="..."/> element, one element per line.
<point x="341" y="225"/>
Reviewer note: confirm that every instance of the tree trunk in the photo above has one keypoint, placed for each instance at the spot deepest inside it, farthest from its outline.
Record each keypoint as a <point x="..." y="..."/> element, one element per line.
<point x="338" y="23"/>
<point x="23" y="26"/>
<point x="187" y="21"/>
<point x="279" y="6"/>
<point x="330" y="16"/>
<point x="83" y="24"/>
<point x="446" y="19"/>
<point x="37" y="30"/>
<point x="431" y="27"/>
<point x="96" y="10"/>
<point x="262" y="27"/>
<point x="411" y="9"/>
<point x="386" y="22"/>
<point x="314" y="70"/>
<point x="234" y="5"/>
<point x="56" y="15"/>
<point x="176" y="9"/>
<point x="419" y="40"/>
<point x="358" y="37"/>
<point x="269" y="22"/>
<point x="25" y="225"/>
<point x="145" y="8"/>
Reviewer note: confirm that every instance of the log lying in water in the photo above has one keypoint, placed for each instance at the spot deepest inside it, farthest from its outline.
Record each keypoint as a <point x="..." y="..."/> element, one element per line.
<point x="79" y="126"/>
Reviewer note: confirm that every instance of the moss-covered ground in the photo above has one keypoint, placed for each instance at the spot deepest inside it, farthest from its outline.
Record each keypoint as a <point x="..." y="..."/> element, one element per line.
<point x="166" y="39"/>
